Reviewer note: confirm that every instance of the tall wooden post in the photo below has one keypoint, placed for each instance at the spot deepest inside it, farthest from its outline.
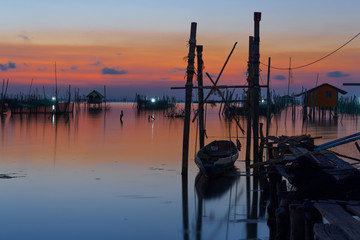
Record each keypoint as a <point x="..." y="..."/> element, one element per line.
<point x="249" y="100"/>
<point x="105" y="96"/>
<point x="256" y="87"/>
<point x="268" y="101"/>
<point x="56" y="92"/>
<point x="188" y="92"/>
<point x="199" y="50"/>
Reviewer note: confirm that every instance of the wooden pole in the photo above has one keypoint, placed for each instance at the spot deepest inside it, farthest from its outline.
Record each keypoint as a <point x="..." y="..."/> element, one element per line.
<point x="256" y="88"/>
<point x="56" y="91"/>
<point x="199" y="50"/>
<point x="105" y="96"/>
<point x="268" y="101"/>
<point x="190" y="73"/>
<point x="249" y="101"/>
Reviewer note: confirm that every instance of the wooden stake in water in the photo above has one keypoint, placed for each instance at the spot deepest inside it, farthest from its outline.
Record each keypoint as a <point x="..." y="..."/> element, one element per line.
<point x="256" y="87"/>
<point x="188" y="94"/>
<point x="199" y="50"/>
<point x="268" y="101"/>
<point x="249" y="100"/>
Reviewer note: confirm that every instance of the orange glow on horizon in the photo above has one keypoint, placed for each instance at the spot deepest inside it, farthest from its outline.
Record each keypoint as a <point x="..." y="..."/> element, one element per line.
<point x="156" y="58"/>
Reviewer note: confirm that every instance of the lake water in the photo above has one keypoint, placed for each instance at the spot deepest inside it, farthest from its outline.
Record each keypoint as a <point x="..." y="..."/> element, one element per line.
<point x="90" y="177"/>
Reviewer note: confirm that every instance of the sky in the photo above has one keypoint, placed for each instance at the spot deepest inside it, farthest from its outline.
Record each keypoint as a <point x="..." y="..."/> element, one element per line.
<point x="140" y="46"/>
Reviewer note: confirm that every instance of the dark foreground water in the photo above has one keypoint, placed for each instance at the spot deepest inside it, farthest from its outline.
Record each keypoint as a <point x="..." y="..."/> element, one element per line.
<point x="90" y="177"/>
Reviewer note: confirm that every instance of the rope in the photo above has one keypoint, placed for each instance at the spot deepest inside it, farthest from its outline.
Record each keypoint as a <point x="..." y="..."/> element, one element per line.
<point x="318" y="60"/>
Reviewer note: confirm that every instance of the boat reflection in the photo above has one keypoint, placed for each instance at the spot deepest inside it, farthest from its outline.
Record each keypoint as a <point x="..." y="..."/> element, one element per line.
<point x="213" y="189"/>
<point x="221" y="212"/>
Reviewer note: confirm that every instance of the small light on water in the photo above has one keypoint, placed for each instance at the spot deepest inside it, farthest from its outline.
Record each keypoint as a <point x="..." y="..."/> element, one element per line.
<point x="153" y="100"/>
<point x="53" y="98"/>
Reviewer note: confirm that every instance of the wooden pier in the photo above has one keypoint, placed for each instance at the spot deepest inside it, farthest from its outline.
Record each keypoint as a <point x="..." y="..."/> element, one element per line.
<point x="313" y="193"/>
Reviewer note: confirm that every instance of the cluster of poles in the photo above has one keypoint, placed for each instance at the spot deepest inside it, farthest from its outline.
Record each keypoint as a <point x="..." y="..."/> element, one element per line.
<point x="253" y="94"/>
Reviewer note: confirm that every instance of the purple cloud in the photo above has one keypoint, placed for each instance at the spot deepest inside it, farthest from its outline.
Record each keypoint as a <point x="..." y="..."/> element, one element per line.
<point x="24" y="37"/>
<point x="98" y="63"/>
<point x="337" y="74"/>
<point x="113" y="71"/>
<point x="279" y="77"/>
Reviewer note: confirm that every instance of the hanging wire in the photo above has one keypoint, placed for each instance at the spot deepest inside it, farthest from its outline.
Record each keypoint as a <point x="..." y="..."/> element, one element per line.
<point x="318" y="60"/>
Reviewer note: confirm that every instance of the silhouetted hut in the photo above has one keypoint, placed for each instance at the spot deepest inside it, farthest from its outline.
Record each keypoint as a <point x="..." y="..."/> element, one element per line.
<point x="94" y="100"/>
<point x="323" y="97"/>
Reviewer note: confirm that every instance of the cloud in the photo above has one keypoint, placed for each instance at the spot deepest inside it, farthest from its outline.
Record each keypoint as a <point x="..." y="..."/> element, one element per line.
<point x="41" y="69"/>
<point x="165" y="78"/>
<point x="24" y="37"/>
<point x="178" y="70"/>
<point x="337" y="74"/>
<point x="279" y="77"/>
<point x="3" y="67"/>
<point x="6" y="66"/>
<point x="113" y="71"/>
<point x="213" y="76"/>
<point x="72" y="68"/>
<point x="118" y="54"/>
<point x="98" y="63"/>
<point x="11" y="65"/>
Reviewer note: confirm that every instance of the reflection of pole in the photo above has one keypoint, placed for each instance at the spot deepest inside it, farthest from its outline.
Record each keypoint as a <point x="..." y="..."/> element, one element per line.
<point x="252" y="227"/>
<point x="199" y="50"/>
<point x="188" y="87"/>
<point x="185" y="206"/>
<point x="199" y="217"/>
<point x="256" y="87"/>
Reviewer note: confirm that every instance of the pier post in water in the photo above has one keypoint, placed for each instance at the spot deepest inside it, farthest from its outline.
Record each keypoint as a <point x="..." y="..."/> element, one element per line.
<point x="199" y="50"/>
<point x="256" y="87"/>
<point x="249" y="101"/>
<point x="188" y="91"/>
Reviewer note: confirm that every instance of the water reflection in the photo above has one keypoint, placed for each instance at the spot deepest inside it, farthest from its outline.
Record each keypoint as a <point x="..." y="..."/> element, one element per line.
<point x="220" y="209"/>
<point x="84" y="161"/>
<point x="208" y="189"/>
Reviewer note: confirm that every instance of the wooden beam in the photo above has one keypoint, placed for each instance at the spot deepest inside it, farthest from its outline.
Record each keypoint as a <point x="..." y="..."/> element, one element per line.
<point x="219" y="87"/>
<point x="351" y="84"/>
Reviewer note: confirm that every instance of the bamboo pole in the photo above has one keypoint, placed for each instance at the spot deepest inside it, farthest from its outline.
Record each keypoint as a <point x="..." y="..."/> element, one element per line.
<point x="199" y="50"/>
<point x="188" y="95"/>
<point x="249" y="101"/>
<point x="256" y="88"/>
<point x="268" y="101"/>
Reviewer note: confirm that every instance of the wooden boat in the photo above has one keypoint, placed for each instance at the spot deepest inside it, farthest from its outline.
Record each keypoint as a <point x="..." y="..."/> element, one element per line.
<point x="217" y="157"/>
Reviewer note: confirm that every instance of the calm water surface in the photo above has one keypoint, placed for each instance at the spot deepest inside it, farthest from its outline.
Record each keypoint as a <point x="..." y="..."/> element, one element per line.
<point x="90" y="177"/>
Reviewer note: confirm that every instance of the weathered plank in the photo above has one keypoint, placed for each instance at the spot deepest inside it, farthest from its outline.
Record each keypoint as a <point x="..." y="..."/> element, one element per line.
<point x="336" y="215"/>
<point x="328" y="232"/>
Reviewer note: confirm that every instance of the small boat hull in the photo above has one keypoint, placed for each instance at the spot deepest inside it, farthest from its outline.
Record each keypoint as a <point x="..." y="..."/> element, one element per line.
<point x="216" y="157"/>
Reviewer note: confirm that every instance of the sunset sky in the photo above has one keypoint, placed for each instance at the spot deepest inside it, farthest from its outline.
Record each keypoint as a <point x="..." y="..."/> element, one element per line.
<point x="140" y="45"/>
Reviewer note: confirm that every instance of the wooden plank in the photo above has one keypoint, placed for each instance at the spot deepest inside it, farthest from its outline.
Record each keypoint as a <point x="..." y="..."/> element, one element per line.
<point x="354" y="209"/>
<point x="328" y="232"/>
<point x="336" y="215"/>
